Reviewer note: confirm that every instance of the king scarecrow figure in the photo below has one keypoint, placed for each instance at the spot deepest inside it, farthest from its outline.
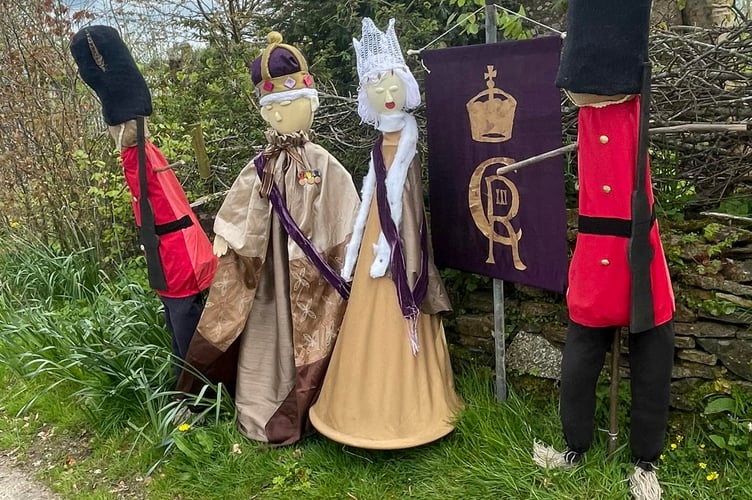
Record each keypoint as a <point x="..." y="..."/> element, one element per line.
<point x="276" y="304"/>
<point x="618" y="276"/>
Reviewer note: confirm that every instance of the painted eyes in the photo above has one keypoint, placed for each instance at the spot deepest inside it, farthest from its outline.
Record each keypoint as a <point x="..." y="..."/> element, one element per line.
<point x="393" y="89"/>
<point x="281" y="103"/>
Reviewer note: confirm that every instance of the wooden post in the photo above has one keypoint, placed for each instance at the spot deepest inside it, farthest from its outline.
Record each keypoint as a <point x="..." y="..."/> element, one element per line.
<point x="202" y="159"/>
<point x="613" y="397"/>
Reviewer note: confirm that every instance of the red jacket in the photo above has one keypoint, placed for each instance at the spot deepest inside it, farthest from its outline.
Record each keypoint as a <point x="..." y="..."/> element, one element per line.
<point x="599" y="275"/>
<point x="187" y="257"/>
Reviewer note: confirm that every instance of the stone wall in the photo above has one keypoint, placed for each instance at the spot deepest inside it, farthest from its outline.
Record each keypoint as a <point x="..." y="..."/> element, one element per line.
<point x="711" y="267"/>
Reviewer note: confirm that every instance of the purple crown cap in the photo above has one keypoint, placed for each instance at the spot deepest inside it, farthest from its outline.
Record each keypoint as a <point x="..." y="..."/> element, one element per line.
<point x="281" y="62"/>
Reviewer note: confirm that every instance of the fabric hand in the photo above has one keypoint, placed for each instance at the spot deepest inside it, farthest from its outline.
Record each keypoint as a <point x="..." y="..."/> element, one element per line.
<point x="220" y="246"/>
<point x="381" y="259"/>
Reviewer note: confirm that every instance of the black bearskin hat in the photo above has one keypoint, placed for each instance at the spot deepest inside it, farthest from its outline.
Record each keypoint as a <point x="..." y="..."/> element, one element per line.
<point x="605" y="47"/>
<point x="106" y="65"/>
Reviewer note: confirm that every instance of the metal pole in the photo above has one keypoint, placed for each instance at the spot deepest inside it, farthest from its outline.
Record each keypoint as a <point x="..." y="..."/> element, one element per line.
<point x="490" y="21"/>
<point x="687" y="127"/>
<point x="498" y="285"/>
<point x="499" y="339"/>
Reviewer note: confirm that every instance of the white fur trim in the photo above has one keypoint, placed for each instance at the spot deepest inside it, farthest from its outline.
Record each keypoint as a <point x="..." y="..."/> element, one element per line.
<point x="289" y="95"/>
<point x="391" y="122"/>
<point x="395" y="182"/>
<point x="351" y="254"/>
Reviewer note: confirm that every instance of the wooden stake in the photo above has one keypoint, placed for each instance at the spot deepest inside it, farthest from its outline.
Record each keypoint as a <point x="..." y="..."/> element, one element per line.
<point x="613" y="399"/>
<point x="202" y="158"/>
<point x="179" y="163"/>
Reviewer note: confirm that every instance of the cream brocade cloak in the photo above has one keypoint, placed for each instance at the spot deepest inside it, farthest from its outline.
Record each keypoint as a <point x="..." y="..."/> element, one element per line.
<point x="269" y="312"/>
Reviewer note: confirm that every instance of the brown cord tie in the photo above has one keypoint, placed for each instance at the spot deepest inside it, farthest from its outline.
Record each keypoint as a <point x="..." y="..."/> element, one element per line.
<point x="280" y="145"/>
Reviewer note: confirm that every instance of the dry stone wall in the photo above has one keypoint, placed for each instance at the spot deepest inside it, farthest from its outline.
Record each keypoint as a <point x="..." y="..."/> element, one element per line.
<point x="711" y="267"/>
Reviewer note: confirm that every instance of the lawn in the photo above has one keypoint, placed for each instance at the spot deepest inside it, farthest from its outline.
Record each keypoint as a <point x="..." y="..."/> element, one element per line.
<point x="87" y="407"/>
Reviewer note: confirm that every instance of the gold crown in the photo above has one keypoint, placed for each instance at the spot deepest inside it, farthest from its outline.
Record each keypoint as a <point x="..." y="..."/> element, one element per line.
<point x="282" y="83"/>
<point x="491" y="112"/>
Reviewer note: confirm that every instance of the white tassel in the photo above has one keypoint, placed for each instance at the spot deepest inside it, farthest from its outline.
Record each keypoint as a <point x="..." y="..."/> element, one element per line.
<point x="547" y="457"/>
<point x="412" y="334"/>
<point x="644" y="485"/>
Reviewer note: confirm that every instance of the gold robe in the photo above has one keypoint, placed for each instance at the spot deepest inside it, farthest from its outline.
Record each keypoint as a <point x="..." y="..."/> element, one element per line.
<point x="376" y="393"/>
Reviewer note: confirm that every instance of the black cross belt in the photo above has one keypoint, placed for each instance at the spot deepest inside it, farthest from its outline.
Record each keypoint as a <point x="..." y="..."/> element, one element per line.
<point x="148" y="236"/>
<point x="171" y="227"/>
<point x="639" y="251"/>
<point x="607" y="226"/>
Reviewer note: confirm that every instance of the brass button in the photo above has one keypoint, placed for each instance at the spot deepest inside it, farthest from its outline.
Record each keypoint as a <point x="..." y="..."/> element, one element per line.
<point x="135" y="199"/>
<point x="605" y="262"/>
<point x="604" y="139"/>
<point x="143" y="248"/>
<point x="606" y="188"/>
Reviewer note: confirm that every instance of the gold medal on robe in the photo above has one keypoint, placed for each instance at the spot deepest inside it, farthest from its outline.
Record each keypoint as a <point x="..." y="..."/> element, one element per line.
<point x="309" y="177"/>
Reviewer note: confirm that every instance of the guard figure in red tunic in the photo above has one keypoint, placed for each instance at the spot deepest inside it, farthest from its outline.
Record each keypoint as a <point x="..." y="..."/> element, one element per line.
<point x="618" y="276"/>
<point x="179" y="255"/>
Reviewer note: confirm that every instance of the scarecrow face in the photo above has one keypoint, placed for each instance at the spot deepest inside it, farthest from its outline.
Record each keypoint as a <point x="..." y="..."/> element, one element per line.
<point x="289" y="116"/>
<point x="125" y="134"/>
<point x="388" y="95"/>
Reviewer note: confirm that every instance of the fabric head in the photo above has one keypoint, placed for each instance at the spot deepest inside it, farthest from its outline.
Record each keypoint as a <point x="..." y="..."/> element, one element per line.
<point x="378" y="55"/>
<point x="280" y="73"/>
<point x="605" y="47"/>
<point x="106" y="65"/>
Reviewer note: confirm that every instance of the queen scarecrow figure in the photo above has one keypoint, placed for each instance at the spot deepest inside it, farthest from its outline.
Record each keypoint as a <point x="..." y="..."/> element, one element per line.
<point x="276" y="303"/>
<point x="618" y="276"/>
<point x="390" y="383"/>
<point x="179" y="255"/>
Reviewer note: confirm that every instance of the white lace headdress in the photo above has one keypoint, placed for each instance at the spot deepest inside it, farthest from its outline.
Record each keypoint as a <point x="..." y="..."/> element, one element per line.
<point x="378" y="53"/>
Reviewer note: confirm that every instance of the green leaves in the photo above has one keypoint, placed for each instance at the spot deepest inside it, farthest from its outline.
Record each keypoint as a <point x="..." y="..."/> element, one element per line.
<point x="719" y="405"/>
<point x="730" y="421"/>
<point x="472" y="20"/>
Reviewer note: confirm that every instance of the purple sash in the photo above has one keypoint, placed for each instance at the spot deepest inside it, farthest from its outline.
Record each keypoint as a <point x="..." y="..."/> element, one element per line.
<point x="294" y="232"/>
<point x="409" y="300"/>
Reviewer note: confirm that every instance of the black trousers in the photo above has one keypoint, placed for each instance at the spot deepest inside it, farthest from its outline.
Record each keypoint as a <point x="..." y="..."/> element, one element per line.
<point x="651" y="356"/>
<point x="181" y="316"/>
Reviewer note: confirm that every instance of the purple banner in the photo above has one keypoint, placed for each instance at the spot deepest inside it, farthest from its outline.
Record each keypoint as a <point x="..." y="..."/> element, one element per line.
<point x="488" y="106"/>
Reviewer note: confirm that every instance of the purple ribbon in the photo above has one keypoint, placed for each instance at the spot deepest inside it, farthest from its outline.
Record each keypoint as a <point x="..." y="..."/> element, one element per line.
<point x="409" y="300"/>
<point x="294" y="232"/>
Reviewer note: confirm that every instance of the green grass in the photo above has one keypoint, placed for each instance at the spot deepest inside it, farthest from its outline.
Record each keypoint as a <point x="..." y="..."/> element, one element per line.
<point x="86" y="406"/>
<point x="487" y="456"/>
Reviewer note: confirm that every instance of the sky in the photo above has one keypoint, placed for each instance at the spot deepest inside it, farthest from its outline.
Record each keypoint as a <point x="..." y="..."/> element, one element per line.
<point x="138" y="23"/>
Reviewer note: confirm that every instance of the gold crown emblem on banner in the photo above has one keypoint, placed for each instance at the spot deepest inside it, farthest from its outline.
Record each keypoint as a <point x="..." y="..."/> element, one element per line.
<point x="491" y="112"/>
